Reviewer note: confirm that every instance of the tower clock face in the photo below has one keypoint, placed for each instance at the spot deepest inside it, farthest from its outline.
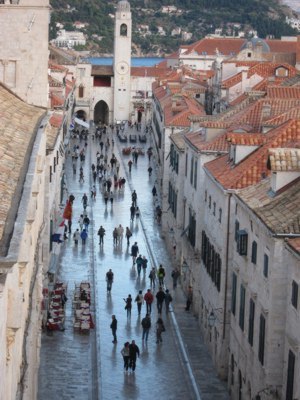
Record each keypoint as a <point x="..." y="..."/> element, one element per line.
<point x="122" y="68"/>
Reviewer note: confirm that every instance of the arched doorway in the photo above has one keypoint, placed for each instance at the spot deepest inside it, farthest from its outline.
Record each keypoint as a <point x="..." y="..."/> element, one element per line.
<point x="101" y="113"/>
<point x="81" y="115"/>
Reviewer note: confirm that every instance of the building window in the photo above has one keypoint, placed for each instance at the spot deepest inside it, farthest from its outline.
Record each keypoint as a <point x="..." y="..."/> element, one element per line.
<point x="261" y="342"/>
<point x="186" y="165"/>
<point x="251" y="321"/>
<point x="81" y="91"/>
<point x="266" y="265"/>
<point x="123" y="30"/>
<point x="233" y="293"/>
<point x="195" y="174"/>
<point x="214" y="208"/>
<point x="211" y="260"/>
<point x="192" y="171"/>
<point x="236" y="229"/>
<point x="242" y="242"/>
<point x="295" y="294"/>
<point x="242" y="307"/>
<point x="209" y="202"/>
<point x="290" y="376"/>
<point x="254" y="252"/>
<point x="192" y="229"/>
<point x="54" y="164"/>
<point x="220" y="215"/>
<point x="232" y="369"/>
<point x="50" y="174"/>
<point x="205" y="196"/>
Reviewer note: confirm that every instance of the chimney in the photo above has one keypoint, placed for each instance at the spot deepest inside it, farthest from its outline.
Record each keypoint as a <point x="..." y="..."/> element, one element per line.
<point x="298" y="53"/>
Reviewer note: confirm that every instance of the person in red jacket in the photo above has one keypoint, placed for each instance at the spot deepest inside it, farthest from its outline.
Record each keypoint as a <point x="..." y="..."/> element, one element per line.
<point x="149" y="300"/>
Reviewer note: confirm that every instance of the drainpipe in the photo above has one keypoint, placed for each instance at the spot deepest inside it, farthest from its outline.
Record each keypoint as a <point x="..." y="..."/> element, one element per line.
<point x="226" y="266"/>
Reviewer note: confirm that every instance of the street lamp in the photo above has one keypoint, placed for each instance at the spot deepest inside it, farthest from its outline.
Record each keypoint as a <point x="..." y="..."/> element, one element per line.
<point x="184" y="267"/>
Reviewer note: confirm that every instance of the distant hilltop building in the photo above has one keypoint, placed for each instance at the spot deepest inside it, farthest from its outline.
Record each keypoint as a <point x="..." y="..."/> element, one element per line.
<point x="294" y="23"/>
<point x="69" y="39"/>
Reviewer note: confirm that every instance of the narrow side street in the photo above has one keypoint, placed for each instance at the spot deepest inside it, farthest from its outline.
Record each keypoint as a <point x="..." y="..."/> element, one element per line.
<point x="77" y="366"/>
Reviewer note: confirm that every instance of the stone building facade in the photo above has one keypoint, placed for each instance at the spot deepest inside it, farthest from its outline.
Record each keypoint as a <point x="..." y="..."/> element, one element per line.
<point x="24" y="62"/>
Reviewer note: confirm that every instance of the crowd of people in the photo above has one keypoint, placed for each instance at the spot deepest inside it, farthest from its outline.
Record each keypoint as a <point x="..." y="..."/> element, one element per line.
<point x="106" y="171"/>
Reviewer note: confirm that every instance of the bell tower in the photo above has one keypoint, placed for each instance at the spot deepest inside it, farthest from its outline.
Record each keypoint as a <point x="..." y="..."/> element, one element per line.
<point x="122" y="61"/>
<point x="24" y="49"/>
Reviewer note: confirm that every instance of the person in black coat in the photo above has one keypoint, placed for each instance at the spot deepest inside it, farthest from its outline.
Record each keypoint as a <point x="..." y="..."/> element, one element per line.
<point x="134" y="251"/>
<point x="134" y="352"/>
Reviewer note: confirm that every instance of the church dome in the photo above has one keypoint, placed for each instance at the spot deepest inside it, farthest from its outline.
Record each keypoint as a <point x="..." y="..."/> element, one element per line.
<point x="123" y="5"/>
<point x="255" y="43"/>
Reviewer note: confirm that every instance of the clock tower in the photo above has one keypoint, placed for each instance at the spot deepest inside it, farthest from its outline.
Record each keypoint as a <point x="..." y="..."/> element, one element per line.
<point x="122" y="61"/>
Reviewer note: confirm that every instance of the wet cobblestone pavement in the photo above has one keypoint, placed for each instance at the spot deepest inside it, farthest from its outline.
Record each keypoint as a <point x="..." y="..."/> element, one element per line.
<point x="75" y="366"/>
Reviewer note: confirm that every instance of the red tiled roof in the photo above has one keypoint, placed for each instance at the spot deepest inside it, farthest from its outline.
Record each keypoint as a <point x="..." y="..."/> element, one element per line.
<point x="232" y="81"/>
<point x="246" y="139"/>
<point x="56" y="67"/>
<point x="293" y="113"/>
<point x="283" y="92"/>
<point x="249" y="171"/>
<point x="155" y="72"/>
<point x="179" y="117"/>
<point x="228" y="46"/>
<point x="56" y="100"/>
<point x="238" y="100"/>
<point x="56" y="120"/>
<point x="197" y="139"/>
<point x="266" y="69"/>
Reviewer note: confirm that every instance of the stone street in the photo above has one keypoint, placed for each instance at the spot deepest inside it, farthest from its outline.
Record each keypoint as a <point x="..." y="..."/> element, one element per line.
<point x="76" y="366"/>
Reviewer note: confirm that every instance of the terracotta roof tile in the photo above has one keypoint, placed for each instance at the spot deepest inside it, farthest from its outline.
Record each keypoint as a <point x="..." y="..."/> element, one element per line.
<point x="246" y="139"/>
<point x="197" y="140"/>
<point x="56" y="100"/>
<point x="283" y="92"/>
<point x="56" y="120"/>
<point x="232" y="81"/>
<point x="250" y="170"/>
<point x="155" y="72"/>
<point x="293" y="113"/>
<point x="281" y="159"/>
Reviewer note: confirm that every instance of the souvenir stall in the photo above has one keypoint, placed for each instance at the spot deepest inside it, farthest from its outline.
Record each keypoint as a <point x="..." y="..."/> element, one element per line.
<point x="56" y="308"/>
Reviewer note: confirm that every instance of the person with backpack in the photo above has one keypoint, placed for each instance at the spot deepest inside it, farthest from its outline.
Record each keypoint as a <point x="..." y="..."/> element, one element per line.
<point x="83" y="236"/>
<point x="168" y="300"/>
<point x="161" y="275"/>
<point x="128" y="305"/>
<point x="134" y="198"/>
<point x="149" y="300"/>
<point x="139" y="263"/>
<point x="152" y="277"/>
<point x="139" y="301"/>
<point x="146" y="324"/>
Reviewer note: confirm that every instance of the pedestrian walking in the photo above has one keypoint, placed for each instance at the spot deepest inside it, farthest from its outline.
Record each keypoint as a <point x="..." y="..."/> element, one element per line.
<point x="111" y="198"/>
<point x="149" y="153"/>
<point x="144" y="265"/>
<point x="115" y="236"/>
<point x="134" y="352"/>
<point x="80" y="222"/>
<point x="139" y="263"/>
<point x="132" y="212"/>
<point x="86" y="223"/>
<point x="168" y="300"/>
<point x="76" y="236"/>
<point x="146" y="324"/>
<point x="120" y="233"/>
<point x="128" y="305"/>
<point x="134" y="251"/>
<point x="175" y="275"/>
<point x="128" y="235"/>
<point x="150" y="171"/>
<point x="134" y="198"/>
<point x="137" y="212"/>
<point x="83" y="236"/>
<point x="149" y="300"/>
<point x="139" y="301"/>
<point x="161" y="275"/>
<point x="189" y="298"/>
<point x="125" y="354"/>
<point x="154" y="191"/>
<point x="160" y="297"/>
<point x="109" y="280"/>
<point x="113" y="327"/>
<point x="160" y="327"/>
<point x="152" y="277"/>
<point x="129" y="165"/>
<point x="106" y="197"/>
<point x="101" y="233"/>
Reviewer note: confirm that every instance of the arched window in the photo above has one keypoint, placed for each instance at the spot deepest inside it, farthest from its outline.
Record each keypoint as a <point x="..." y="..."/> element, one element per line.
<point x="81" y="91"/>
<point x="123" y="30"/>
<point x="232" y="369"/>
